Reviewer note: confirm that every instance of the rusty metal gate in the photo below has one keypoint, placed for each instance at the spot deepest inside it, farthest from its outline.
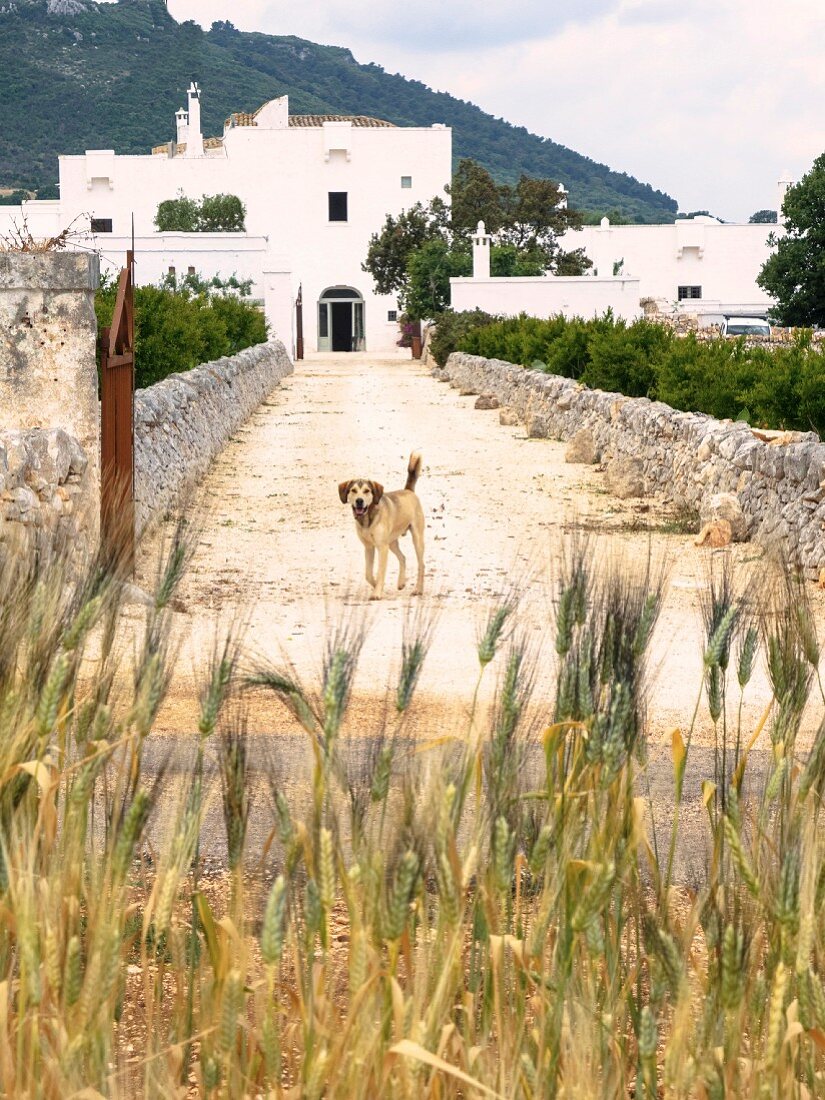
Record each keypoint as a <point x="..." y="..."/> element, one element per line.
<point x="299" y="323"/>
<point x="117" y="389"/>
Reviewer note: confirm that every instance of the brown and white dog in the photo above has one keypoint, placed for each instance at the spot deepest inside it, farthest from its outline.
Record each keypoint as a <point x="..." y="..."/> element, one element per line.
<point x="381" y="519"/>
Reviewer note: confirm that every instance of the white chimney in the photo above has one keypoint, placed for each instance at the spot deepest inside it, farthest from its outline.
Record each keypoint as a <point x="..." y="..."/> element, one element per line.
<point x="782" y="186"/>
<point x="481" y="253"/>
<point x="181" y="126"/>
<point x="563" y="193"/>
<point x="194" y="139"/>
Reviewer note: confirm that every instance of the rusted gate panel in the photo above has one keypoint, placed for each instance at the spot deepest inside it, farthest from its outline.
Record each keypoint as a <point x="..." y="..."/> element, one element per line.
<point x="299" y="324"/>
<point x="117" y="385"/>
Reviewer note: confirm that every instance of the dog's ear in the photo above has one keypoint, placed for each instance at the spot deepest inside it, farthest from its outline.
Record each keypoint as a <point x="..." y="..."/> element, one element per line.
<point x="343" y="490"/>
<point x="377" y="491"/>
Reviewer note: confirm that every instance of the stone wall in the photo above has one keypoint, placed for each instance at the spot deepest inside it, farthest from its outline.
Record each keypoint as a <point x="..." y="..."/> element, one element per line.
<point x="686" y="458"/>
<point x="49" y="421"/>
<point x="44" y="486"/>
<point x="183" y="422"/>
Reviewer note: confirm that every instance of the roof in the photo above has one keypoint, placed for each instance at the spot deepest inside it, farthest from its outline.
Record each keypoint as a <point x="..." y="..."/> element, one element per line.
<point x="208" y="143"/>
<point x="247" y="118"/>
<point x="319" y="120"/>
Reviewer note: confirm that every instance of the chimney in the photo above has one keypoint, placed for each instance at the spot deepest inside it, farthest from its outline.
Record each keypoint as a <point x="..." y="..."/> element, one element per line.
<point x="481" y="253"/>
<point x="194" y="139"/>
<point x="181" y="126"/>
<point x="782" y="186"/>
<point x="563" y="193"/>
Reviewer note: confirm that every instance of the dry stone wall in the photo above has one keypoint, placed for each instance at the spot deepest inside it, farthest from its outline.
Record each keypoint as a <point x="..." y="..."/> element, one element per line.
<point x="686" y="458"/>
<point x="183" y="422"/>
<point x="44" y="491"/>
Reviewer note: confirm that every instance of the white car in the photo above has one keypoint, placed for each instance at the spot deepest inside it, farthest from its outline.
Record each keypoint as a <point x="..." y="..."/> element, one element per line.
<point x="745" y="326"/>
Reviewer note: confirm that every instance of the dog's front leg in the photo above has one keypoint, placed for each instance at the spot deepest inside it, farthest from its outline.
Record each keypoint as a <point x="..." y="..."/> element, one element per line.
<point x="378" y="590"/>
<point x="369" y="559"/>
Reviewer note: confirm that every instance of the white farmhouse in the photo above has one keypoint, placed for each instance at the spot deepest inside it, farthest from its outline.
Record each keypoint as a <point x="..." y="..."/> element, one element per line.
<point x="315" y="188"/>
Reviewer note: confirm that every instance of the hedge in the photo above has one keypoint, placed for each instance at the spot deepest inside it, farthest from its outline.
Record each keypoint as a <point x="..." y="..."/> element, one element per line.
<point x="179" y="327"/>
<point x="772" y="387"/>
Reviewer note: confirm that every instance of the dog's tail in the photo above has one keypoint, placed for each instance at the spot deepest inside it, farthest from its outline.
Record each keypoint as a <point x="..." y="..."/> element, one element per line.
<point x="413" y="470"/>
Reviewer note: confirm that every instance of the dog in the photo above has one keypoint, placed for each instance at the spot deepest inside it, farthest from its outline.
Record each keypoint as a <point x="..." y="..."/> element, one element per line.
<point x="380" y="521"/>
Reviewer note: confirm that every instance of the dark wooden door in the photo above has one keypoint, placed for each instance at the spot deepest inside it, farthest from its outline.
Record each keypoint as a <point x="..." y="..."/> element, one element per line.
<point x="342" y="326"/>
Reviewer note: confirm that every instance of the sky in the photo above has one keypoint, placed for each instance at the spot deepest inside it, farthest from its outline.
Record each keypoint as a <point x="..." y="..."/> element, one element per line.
<point x="711" y="101"/>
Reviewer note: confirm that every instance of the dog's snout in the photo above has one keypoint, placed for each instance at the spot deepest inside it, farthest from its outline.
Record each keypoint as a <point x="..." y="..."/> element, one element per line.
<point x="359" y="502"/>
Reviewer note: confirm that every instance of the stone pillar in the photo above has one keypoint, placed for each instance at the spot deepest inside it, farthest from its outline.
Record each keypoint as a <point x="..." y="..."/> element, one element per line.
<point x="48" y="374"/>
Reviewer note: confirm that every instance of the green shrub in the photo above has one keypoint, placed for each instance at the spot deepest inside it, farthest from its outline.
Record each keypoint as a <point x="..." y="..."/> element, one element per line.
<point x="179" y="326"/>
<point x="771" y="387"/>
<point x="451" y="328"/>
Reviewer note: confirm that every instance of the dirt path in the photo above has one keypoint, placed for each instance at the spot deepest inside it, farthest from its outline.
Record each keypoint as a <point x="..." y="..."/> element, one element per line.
<point x="277" y="544"/>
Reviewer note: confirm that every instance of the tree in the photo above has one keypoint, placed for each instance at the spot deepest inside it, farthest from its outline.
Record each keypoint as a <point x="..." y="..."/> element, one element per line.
<point x="525" y="222"/>
<point x="213" y="214"/>
<point x="476" y="198"/>
<point x="222" y="214"/>
<point x="429" y="270"/>
<point x="390" y="248"/>
<point x="763" y="217"/>
<point x="178" y="215"/>
<point x="795" y="274"/>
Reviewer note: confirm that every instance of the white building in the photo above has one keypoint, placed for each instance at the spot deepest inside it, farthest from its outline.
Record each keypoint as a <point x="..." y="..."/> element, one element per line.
<point x="543" y="295"/>
<point x="315" y="187"/>
<point x="698" y="266"/>
<point x="693" y="265"/>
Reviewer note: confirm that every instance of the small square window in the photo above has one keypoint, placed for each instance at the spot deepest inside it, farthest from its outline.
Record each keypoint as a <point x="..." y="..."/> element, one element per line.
<point x="392" y="314"/>
<point x="171" y="270"/>
<point x="689" y="292"/>
<point x="190" y="271"/>
<point x="101" y="225"/>
<point x="337" y="206"/>
<point x="406" y="181"/>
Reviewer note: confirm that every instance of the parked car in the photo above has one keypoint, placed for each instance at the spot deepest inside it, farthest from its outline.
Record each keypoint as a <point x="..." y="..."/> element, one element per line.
<point x="745" y="326"/>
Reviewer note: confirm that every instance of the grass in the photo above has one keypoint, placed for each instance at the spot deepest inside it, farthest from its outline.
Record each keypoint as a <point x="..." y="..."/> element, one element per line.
<point x="431" y="920"/>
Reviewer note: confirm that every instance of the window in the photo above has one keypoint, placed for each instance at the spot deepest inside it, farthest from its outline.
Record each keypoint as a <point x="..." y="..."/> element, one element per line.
<point x="323" y="321"/>
<point x="689" y="292"/>
<point x="101" y="225"/>
<point x="406" y="181"/>
<point x="338" y="206"/>
<point x="392" y="314"/>
<point x="190" y="271"/>
<point x="172" y="271"/>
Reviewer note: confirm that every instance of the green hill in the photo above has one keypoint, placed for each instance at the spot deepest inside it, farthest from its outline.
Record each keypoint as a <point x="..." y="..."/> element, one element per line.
<point x="76" y="74"/>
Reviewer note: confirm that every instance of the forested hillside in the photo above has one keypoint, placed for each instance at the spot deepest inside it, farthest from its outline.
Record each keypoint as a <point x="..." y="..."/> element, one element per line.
<point x="76" y="74"/>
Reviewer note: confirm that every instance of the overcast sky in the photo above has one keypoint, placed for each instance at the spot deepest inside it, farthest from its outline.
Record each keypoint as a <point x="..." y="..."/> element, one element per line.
<point x="709" y="100"/>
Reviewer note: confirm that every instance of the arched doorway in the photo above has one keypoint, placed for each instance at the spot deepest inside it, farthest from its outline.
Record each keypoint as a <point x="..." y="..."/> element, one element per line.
<point x="341" y="320"/>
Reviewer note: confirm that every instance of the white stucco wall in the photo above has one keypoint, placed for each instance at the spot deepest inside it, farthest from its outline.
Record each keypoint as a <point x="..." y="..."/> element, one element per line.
<point x="42" y="218"/>
<point x="723" y="259"/>
<point x="572" y="296"/>
<point x="223" y="254"/>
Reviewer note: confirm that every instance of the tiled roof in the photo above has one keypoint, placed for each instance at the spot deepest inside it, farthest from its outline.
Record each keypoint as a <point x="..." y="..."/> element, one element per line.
<point x="208" y="143"/>
<point x="319" y="120"/>
<point x="241" y="118"/>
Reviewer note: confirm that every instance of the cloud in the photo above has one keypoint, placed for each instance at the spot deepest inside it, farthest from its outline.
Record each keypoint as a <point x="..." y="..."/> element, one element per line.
<point x="710" y="102"/>
<point x="434" y="26"/>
